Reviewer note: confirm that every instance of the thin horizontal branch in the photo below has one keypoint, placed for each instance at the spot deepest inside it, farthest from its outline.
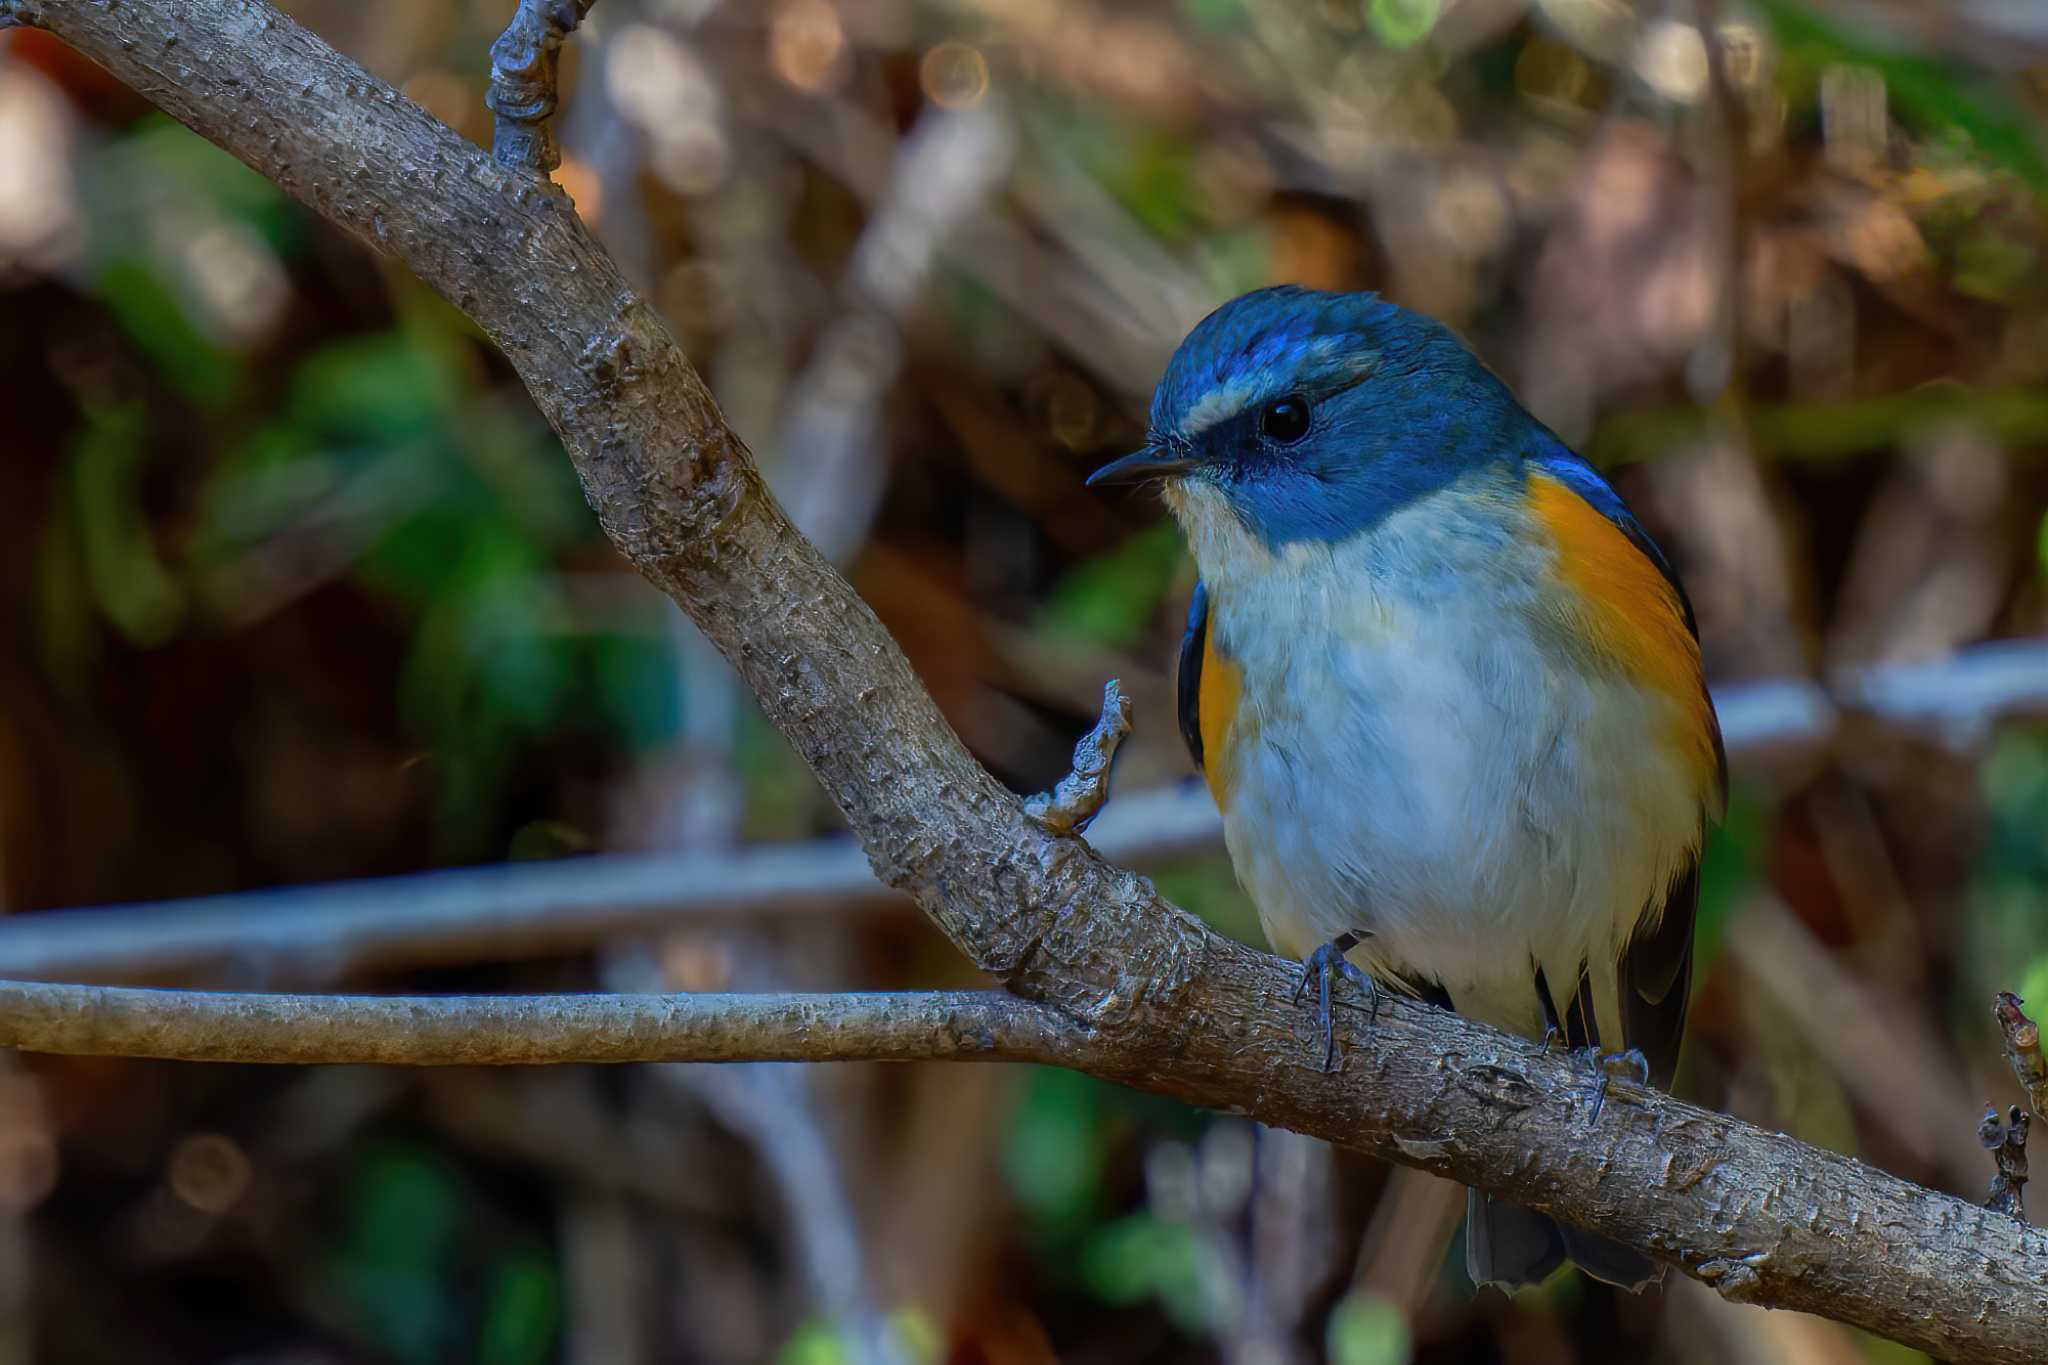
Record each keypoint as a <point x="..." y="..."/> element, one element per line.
<point x="1170" y="1006"/>
<point x="1797" y="1209"/>
<point x="480" y="1030"/>
<point x="530" y="909"/>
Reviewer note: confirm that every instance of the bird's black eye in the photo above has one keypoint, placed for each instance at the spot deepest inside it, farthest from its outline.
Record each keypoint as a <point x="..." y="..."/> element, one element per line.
<point x="1285" y="420"/>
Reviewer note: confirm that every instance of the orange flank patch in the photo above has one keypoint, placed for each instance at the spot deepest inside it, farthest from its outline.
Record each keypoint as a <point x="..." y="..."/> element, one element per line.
<point x="1625" y="614"/>
<point x="1215" y="707"/>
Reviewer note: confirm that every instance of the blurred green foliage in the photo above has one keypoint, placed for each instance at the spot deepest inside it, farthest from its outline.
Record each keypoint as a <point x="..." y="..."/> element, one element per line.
<point x="1056" y="1151"/>
<point x="103" y="494"/>
<point x="1934" y="98"/>
<point x="522" y="1314"/>
<point x="457" y="510"/>
<point x="1367" y="1330"/>
<point x="396" y="1260"/>
<point x="383" y="462"/>
<point x="419" y="1282"/>
<point x="2007" y="899"/>
<point x="1115" y="599"/>
<point x="917" y="1339"/>
<point x="1731" y="869"/>
<point x="1143" y="1257"/>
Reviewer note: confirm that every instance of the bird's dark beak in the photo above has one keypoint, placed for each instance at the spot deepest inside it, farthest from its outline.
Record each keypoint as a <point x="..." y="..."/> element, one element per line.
<point x="1153" y="462"/>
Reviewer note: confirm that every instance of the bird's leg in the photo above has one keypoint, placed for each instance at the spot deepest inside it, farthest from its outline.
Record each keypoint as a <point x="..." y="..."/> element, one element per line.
<point x="1598" y="1064"/>
<point x="1603" y="1065"/>
<point x="1321" y="965"/>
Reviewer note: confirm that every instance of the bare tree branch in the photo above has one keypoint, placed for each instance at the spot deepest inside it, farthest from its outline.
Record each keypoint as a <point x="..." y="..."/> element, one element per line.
<point x="1166" y="1004"/>
<point x="501" y="1030"/>
<point x="481" y="914"/>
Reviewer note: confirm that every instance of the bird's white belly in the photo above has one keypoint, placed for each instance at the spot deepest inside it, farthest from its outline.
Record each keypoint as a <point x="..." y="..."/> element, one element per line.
<point x="1432" y="773"/>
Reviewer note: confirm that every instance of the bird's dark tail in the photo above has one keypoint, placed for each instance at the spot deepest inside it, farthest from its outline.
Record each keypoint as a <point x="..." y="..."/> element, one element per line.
<point x="1510" y="1246"/>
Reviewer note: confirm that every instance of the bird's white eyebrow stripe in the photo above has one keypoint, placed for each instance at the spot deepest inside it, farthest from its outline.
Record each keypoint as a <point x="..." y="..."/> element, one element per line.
<point x="1216" y="406"/>
<point x="1226" y="401"/>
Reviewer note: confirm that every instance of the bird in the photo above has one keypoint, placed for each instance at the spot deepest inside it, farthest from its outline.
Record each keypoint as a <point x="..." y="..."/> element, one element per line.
<point x="1446" y="692"/>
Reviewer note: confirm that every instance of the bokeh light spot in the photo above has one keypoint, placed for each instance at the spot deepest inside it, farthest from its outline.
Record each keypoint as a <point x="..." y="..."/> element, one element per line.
<point x="1672" y="60"/>
<point x="807" y="46"/>
<point x="954" y="76"/>
<point x="579" y="180"/>
<point x="209" y="1172"/>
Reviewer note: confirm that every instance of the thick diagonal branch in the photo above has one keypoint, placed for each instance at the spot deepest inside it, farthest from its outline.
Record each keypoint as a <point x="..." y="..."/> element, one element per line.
<point x="1173" y="1007"/>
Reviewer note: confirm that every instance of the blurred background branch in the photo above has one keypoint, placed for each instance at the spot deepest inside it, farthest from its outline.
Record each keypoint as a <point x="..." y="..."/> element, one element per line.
<point x="500" y="914"/>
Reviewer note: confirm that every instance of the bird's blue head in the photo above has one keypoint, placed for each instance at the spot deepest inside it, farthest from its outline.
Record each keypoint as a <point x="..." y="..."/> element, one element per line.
<point x="1315" y="415"/>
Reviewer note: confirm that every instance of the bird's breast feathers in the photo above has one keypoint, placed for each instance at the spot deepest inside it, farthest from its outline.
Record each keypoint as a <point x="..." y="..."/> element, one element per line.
<point x="1478" y="726"/>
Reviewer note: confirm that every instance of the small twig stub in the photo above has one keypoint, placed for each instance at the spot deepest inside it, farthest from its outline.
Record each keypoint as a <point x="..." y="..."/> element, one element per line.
<point x="2006" y="1139"/>
<point x="522" y="92"/>
<point x="1079" y="797"/>
<point x="2022" y="1037"/>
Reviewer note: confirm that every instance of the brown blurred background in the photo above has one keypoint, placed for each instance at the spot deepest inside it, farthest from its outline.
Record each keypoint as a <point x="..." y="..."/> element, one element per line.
<point x="301" y="588"/>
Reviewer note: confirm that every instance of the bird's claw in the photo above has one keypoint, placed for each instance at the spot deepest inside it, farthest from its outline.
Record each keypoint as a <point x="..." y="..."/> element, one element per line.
<point x="1320" y="966"/>
<point x="1630" y="1063"/>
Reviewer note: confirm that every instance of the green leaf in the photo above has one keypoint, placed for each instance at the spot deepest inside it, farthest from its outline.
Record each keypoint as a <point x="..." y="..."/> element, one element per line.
<point x="161" y="200"/>
<point x="522" y="1313"/>
<point x="1142" y="1257"/>
<point x="1366" y="1329"/>
<point x="1114" y="598"/>
<point x="129" y="582"/>
<point x="1055" y="1150"/>
<point x="150" y="313"/>
<point x="1207" y="888"/>
<point x="1730" y="869"/>
<point x="814" y="1343"/>
<point x="395" y="1261"/>
<point x="1402" y="23"/>
<point x="374" y="390"/>
<point x="159" y="147"/>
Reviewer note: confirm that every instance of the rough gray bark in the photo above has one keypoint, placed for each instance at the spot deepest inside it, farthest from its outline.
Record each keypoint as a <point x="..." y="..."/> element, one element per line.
<point x="1166" y="1004"/>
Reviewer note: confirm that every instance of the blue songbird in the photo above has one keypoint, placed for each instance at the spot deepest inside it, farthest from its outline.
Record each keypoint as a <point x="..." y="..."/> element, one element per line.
<point x="1445" y="691"/>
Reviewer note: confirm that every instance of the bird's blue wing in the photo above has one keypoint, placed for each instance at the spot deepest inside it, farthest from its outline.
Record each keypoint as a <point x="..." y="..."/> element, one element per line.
<point x="1192" y="642"/>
